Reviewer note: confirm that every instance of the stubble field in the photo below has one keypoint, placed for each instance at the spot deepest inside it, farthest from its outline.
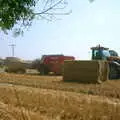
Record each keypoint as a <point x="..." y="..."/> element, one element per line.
<point x="32" y="97"/>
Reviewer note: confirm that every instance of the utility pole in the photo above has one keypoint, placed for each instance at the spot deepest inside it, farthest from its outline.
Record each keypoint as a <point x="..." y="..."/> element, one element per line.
<point x="13" y="49"/>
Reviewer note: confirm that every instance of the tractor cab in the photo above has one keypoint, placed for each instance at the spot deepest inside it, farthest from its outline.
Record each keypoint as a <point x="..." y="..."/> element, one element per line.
<point x="100" y="53"/>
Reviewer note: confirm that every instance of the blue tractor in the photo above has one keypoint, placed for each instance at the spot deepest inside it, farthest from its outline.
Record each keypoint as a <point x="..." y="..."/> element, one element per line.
<point x="102" y="53"/>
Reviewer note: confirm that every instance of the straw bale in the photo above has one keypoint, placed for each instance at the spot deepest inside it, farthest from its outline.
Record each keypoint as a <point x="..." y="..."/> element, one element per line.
<point x="85" y="71"/>
<point x="15" y="67"/>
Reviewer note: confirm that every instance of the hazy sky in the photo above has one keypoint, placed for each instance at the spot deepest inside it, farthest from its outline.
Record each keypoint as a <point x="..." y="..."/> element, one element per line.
<point x="88" y="25"/>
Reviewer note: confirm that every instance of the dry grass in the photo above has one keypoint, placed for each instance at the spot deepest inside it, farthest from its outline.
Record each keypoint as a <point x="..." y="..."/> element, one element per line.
<point x="108" y="88"/>
<point x="58" y="104"/>
<point x="49" y="98"/>
<point x="9" y="112"/>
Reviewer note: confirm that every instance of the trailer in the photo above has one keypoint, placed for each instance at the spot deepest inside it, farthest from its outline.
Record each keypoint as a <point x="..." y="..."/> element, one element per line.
<point x="53" y="64"/>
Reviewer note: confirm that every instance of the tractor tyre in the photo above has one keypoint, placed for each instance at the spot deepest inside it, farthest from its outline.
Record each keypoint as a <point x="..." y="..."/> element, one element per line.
<point x="113" y="72"/>
<point x="43" y="70"/>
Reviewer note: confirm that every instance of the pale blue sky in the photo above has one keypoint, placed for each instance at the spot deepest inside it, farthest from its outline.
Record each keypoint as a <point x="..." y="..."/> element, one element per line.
<point x="88" y="25"/>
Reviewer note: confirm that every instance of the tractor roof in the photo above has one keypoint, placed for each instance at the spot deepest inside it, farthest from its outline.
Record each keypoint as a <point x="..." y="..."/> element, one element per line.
<point x="99" y="47"/>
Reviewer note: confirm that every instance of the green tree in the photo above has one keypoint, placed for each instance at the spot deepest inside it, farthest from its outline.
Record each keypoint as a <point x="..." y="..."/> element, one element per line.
<point x="20" y="13"/>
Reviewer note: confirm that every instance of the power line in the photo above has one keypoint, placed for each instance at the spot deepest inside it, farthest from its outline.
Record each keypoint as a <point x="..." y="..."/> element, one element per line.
<point x="13" y="49"/>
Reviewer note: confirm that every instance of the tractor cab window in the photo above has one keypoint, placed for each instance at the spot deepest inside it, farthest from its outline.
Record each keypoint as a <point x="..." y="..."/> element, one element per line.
<point x="97" y="54"/>
<point x="106" y="54"/>
<point x="113" y="53"/>
<point x="101" y="54"/>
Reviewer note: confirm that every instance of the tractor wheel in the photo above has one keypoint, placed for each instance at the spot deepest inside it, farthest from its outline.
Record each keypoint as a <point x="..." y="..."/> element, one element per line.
<point x="43" y="70"/>
<point x="113" y="74"/>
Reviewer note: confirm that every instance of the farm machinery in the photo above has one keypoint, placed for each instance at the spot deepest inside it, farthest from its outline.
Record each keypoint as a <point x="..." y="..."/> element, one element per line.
<point x="102" y="53"/>
<point x="47" y="64"/>
<point x="104" y="65"/>
<point x="52" y="64"/>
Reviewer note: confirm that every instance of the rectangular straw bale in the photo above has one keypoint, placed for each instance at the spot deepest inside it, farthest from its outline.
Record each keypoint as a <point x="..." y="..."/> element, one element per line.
<point x="85" y="71"/>
<point x="15" y="65"/>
